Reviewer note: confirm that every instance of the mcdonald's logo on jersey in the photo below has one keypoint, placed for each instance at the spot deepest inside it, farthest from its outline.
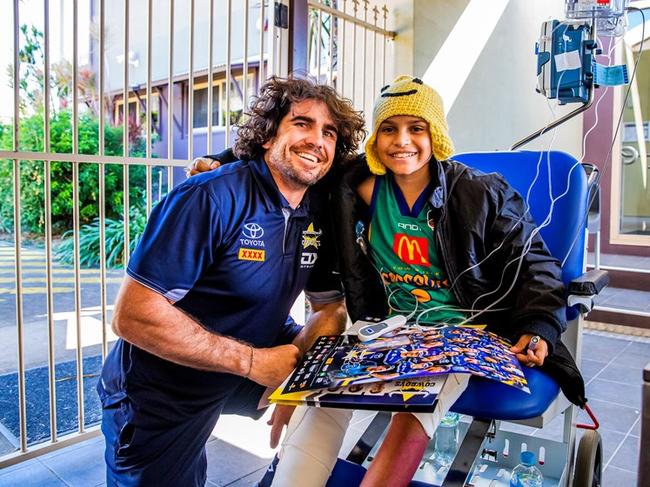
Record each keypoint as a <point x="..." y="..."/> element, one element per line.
<point x="411" y="250"/>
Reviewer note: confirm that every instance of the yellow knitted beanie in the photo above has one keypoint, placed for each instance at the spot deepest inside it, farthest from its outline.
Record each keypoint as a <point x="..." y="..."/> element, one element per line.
<point x="410" y="96"/>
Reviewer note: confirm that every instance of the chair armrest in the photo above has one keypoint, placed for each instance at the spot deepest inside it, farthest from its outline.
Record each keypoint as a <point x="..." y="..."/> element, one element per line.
<point x="590" y="283"/>
<point x="583" y="289"/>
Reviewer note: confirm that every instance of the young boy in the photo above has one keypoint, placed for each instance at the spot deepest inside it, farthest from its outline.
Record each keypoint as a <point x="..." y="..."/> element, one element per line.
<point x="406" y="209"/>
<point x="425" y="235"/>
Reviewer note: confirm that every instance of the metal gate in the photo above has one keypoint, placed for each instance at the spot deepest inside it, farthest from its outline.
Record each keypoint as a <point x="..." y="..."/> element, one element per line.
<point x="349" y="47"/>
<point x="108" y="102"/>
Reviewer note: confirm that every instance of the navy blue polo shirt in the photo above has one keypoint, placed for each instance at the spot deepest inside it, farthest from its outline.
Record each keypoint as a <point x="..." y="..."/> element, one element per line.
<point x="227" y="249"/>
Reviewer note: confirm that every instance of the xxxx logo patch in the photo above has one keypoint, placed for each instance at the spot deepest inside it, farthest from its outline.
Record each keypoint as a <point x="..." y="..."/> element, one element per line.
<point x="251" y="254"/>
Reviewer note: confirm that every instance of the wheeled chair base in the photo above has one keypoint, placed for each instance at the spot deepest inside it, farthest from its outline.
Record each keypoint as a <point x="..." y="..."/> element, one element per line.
<point x="485" y="457"/>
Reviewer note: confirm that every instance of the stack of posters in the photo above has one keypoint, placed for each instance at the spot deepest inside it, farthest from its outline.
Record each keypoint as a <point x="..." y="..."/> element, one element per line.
<point x="401" y="371"/>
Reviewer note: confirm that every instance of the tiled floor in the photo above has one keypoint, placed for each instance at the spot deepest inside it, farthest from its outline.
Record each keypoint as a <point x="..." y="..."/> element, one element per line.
<point x="238" y="452"/>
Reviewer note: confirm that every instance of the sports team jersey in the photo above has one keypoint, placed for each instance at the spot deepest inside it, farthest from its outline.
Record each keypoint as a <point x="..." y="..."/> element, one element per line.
<point x="227" y="249"/>
<point x="403" y="249"/>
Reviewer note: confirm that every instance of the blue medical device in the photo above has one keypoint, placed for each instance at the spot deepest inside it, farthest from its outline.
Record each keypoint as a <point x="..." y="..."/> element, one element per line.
<point x="565" y="61"/>
<point x="566" y="68"/>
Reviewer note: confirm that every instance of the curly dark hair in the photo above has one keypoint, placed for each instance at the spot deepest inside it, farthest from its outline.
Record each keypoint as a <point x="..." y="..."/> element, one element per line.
<point x="274" y="102"/>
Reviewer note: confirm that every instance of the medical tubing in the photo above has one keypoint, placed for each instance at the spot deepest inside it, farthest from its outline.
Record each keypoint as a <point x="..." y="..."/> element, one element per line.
<point x="527" y="207"/>
<point x="451" y="308"/>
<point x="584" y="152"/>
<point x="525" y="250"/>
<point x="618" y="126"/>
<point x="602" y="95"/>
<point x="412" y="312"/>
<point x="526" y="246"/>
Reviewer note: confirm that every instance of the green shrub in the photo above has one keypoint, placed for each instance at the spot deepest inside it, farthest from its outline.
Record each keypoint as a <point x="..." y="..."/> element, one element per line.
<point x="89" y="241"/>
<point x="32" y="174"/>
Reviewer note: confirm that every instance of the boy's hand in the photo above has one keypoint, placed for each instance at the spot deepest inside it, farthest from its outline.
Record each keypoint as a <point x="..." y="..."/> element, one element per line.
<point x="201" y="164"/>
<point x="279" y="419"/>
<point x="530" y="354"/>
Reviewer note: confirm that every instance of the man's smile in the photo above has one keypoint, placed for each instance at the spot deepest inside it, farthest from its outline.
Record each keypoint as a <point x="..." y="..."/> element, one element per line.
<point x="313" y="159"/>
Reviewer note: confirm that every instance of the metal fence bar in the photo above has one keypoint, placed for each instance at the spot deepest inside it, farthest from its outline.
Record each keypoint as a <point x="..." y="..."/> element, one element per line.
<point x="355" y="4"/>
<point x="149" y="111"/>
<point x="125" y="167"/>
<point x="132" y="161"/>
<point x="375" y="88"/>
<point x="363" y="57"/>
<point x="210" y="73"/>
<point x="102" y="185"/>
<point x="340" y="51"/>
<point x="47" y="185"/>
<point x="245" y="68"/>
<point x="319" y="38"/>
<point x="272" y="66"/>
<point x="75" y="211"/>
<point x="341" y="17"/>
<point x="190" y="87"/>
<point x="170" y="85"/>
<point x="22" y="407"/>
<point x="261" y="66"/>
<point x="351" y="18"/>
<point x="228" y="65"/>
<point x="330" y="72"/>
<point x="383" y="81"/>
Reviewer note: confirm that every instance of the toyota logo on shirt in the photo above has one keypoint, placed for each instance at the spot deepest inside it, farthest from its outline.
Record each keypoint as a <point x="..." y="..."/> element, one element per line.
<point x="253" y="230"/>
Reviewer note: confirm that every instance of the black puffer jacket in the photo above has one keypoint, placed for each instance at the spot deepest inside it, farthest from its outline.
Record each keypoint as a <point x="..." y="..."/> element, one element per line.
<point x="478" y="215"/>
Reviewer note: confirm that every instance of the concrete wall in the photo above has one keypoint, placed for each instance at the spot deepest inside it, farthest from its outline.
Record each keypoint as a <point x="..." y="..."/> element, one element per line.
<point x="488" y="73"/>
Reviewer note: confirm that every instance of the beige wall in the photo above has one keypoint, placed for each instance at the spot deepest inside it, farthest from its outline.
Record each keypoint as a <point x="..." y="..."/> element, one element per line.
<point x="635" y="197"/>
<point x="495" y="76"/>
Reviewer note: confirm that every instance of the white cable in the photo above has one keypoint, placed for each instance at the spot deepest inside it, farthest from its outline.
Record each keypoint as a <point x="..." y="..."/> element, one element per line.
<point x="617" y="126"/>
<point x="602" y="95"/>
<point x="527" y="245"/>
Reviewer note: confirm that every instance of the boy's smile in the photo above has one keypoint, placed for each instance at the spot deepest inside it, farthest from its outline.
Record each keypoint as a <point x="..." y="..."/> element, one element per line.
<point x="404" y="144"/>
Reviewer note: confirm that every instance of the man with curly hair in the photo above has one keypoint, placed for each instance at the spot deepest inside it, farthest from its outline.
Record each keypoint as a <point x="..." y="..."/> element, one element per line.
<point x="202" y="313"/>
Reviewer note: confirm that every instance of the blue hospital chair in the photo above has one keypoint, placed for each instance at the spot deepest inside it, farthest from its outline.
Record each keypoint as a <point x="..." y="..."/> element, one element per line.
<point x="484" y="442"/>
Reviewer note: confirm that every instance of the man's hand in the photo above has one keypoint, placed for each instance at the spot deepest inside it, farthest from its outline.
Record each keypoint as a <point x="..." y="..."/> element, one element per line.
<point x="271" y="366"/>
<point x="201" y="164"/>
<point x="526" y="355"/>
<point x="279" y="419"/>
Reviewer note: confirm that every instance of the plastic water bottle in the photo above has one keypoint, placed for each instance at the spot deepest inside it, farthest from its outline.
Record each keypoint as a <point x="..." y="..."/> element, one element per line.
<point x="526" y="474"/>
<point x="446" y="440"/>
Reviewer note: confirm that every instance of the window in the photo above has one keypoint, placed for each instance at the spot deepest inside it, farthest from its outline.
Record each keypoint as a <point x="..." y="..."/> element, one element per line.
<point x="200" y="117"/>
<point x="200" y="114"/>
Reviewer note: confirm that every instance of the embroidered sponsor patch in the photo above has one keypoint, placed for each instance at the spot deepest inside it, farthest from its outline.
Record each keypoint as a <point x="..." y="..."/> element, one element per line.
<point x="251" y="254"/>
